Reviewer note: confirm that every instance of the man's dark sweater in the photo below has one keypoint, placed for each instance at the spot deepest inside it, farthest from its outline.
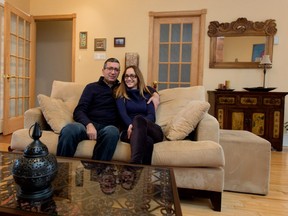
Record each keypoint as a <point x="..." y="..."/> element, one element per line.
<point x="97" y="104"/>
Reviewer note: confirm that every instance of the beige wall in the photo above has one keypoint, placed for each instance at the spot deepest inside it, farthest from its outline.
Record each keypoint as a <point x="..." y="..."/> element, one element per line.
<point x="129" y="18"/>
<point x="21" y="4"/>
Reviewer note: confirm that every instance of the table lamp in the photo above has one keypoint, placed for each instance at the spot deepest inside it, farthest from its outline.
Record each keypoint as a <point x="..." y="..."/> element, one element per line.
<point x="265" y="63"/>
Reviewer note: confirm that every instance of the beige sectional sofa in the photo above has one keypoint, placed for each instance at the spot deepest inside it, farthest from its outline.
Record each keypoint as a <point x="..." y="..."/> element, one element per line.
<point x="197" y="164"/>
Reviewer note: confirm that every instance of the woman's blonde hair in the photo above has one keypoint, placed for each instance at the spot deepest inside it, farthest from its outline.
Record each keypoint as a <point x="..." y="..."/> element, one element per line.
<point x="121" y="90"/>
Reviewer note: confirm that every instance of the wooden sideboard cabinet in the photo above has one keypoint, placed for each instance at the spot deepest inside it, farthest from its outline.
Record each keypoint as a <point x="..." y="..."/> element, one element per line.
<point x="262" y="113"/>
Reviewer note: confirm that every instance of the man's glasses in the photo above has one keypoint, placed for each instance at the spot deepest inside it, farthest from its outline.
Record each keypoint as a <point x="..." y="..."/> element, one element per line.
<point x="132" y="76"/>
<point x="110" y="69"/>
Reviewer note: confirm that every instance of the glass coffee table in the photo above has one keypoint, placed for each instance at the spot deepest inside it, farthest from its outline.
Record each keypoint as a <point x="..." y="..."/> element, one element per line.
<point x="86" y="187"/>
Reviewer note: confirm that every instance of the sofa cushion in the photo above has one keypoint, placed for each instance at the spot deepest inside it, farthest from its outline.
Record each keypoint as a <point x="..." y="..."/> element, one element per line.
<point x="173" y="100"/>
<point x="186" y="120"/>
<point x="55" y="111"/>
<point x="186" y="153"/>
<point x="20" y="140"/>
<point x="182" y="153"/>
<point x="122" y="151"/>
<point x="68" y="92"/>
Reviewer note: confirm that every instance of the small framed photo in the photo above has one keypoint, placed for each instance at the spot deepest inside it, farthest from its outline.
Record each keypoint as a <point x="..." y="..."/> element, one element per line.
<point x="83" y="40"/>
<point x="119" y="42"/>
<point x="258" y="52"/>
<point x="100" y="44"/>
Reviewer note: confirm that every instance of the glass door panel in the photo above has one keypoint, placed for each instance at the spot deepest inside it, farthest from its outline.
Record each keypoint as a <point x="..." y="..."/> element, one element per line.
<point x="174" y="49"/>
<point x="18" y="67"/>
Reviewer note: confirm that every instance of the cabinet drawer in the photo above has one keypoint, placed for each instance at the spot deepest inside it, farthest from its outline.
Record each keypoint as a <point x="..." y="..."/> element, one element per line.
<point x="272" y="101"/>
<point x="226" y="100"/>
<point x="249" y="100"/>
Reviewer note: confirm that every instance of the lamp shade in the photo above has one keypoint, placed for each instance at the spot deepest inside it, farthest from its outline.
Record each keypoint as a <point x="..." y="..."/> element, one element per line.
<point x="265" y="60"/>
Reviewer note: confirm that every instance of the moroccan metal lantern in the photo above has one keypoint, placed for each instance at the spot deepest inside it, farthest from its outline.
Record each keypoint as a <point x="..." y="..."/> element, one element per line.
<point x="35" y="170"/>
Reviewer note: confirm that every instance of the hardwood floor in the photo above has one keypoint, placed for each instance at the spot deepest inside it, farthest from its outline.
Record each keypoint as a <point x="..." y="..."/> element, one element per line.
<point x="4" y="142"/>
<point x="234" y="204"/>
<point x="5" y="139"/>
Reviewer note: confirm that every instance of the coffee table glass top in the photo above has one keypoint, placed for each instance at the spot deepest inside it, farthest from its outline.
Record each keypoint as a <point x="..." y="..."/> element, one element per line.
<point x="85" y="187"/>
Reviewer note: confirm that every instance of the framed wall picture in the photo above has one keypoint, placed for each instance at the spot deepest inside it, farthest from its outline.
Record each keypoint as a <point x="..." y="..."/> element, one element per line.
<point x="100" y="44"/>
<point x="131" y="58"/>
<point x="119" y="42"/>
<point x="83" y="40"/>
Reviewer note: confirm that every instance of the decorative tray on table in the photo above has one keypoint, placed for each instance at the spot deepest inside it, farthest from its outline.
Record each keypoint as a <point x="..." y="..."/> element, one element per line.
<point x="260" y="89"/>
<point x="224" y="89"/>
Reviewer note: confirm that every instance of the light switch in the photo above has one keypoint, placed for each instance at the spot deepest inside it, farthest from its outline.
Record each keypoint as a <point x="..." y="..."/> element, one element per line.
<point x="99" y="56"/>
<point x="276" y="40"/>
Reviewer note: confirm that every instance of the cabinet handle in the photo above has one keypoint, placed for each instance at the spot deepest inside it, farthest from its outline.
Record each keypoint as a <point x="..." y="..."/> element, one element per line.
<point x="247" y="122"/>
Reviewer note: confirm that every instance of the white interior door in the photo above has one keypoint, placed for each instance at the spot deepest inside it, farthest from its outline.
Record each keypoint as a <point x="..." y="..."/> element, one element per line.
<point x="19" y="52"/>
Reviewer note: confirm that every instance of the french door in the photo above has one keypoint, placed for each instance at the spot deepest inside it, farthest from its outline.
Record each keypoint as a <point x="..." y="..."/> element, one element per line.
<point x="19" y="46"/>
<point x="176" y="49"/>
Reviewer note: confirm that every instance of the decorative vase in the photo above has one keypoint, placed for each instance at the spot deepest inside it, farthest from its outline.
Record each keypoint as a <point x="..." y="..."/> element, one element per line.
<point x="35" y="170"/>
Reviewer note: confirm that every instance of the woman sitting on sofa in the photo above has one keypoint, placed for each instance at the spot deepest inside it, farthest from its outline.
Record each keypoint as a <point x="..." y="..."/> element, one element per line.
<point x="137" y="116"/>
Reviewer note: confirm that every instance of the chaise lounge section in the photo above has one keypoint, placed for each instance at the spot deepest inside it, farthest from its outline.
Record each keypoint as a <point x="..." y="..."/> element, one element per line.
<point x="247" y="158"/>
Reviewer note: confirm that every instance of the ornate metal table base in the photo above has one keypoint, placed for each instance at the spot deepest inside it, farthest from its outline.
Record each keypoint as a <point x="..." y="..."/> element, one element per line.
<point x="91" y="188"/>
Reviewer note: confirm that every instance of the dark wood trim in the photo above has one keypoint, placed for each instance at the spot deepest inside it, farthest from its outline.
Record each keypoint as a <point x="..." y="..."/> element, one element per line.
<point x="215" y="197"/>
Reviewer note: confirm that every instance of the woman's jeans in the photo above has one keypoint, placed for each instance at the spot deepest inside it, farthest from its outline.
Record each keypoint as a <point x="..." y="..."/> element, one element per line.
<point x="144" y="134"/>
<point x="72" y="134"/>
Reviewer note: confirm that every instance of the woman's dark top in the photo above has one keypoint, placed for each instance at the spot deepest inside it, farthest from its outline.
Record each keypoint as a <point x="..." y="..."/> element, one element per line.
<point x="136" y="105"/>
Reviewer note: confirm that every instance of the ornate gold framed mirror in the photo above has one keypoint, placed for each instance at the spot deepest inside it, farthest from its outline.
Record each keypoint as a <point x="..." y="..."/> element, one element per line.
<point x="241" y="43"/>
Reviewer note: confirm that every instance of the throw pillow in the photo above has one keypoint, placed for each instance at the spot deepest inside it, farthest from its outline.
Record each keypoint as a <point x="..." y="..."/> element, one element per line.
<point x="69" y="92"/>
<point x="55" y="112"/>
<point x="186" y="120"/>
<point x="175" y="99"/>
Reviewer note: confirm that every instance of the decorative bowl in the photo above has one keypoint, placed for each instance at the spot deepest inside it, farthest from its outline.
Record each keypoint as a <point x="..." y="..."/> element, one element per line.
<point x="260" y="89"/>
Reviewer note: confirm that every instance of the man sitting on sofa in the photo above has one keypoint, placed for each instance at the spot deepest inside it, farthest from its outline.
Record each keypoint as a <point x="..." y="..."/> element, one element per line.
<point x="96" y="116"/>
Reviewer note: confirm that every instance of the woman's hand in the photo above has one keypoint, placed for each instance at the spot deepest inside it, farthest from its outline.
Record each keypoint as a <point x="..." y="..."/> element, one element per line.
<point x="155" y="98"/>
<point x="129" y="131"/>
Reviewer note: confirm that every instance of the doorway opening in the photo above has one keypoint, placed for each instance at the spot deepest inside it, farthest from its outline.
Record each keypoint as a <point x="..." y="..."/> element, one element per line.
<point x="53" y="54"/>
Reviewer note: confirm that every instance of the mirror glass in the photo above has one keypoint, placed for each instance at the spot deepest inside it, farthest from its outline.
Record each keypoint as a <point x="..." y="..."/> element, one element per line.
<point x="240" y="44"/>
<point x="240" y="49"/>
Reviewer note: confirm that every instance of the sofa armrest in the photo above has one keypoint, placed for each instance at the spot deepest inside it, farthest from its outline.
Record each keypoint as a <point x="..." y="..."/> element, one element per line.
<point x="33" y="115"/>
<point x="208" y="129"/>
